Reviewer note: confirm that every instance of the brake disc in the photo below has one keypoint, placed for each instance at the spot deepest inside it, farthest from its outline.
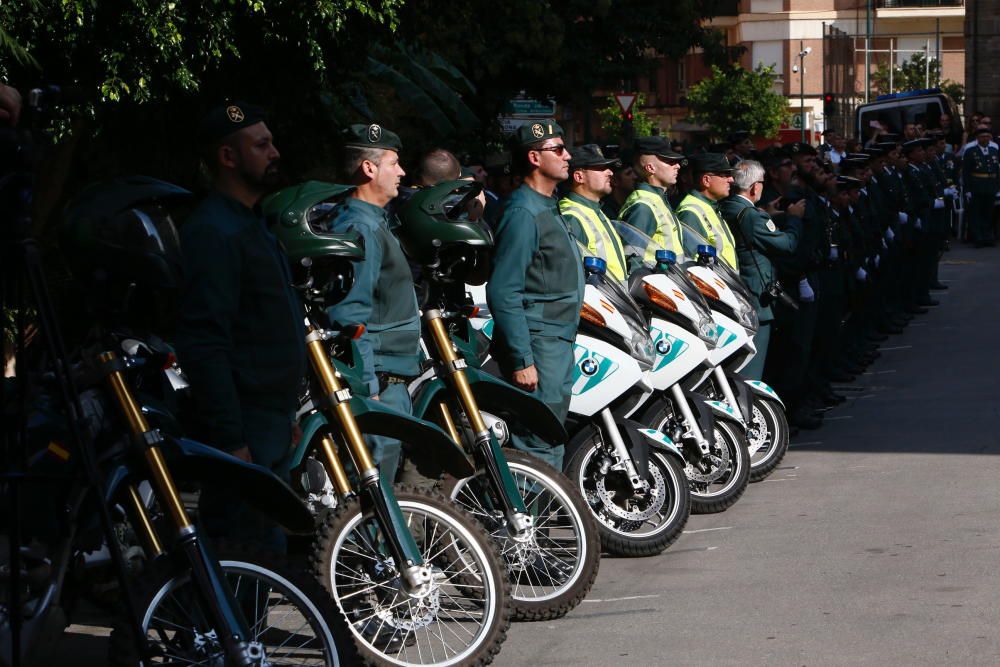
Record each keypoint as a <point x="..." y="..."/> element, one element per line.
<point x="719" y="459"/>
<point x="757" y="433"/>
<point x="653" y="498"/>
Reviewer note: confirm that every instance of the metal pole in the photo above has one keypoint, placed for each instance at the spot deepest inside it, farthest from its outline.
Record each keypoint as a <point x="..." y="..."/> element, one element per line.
<point x="927" y="64"/>
<point x="892" y="64"/>
<point x="868" y="49"/>
<point x="937" y="49"/>
<point x="802" y="91"/>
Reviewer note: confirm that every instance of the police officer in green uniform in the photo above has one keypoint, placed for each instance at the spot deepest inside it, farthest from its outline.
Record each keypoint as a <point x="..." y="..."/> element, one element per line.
<point x="239" y="335"/>
<point x="589" y="180"/>
<point x="535" y="290"/>
<point x="980" y="174"/>
<point x="712" y="177"/>
<point x="647" y="209"/>
<point x="382" y="298"/>
<point x="757" y="238"/>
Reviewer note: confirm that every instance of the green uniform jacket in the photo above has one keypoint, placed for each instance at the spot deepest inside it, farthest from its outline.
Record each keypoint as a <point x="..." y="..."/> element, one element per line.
<point x="240" y="337"/>
<point x="757" y="238"/>
<point x="536" y="287"/>
<point x="382" y="297"/>
<point x="981" y="173"/>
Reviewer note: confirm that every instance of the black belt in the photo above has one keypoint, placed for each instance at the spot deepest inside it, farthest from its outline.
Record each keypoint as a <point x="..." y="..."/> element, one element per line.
<point x="385" y="379"/>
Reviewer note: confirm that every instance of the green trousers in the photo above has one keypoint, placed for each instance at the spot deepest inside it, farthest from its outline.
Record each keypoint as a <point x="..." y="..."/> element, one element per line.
<point x="268" y="435"/>
<point x="755" y="369"/>
<point x="554" y="362"/>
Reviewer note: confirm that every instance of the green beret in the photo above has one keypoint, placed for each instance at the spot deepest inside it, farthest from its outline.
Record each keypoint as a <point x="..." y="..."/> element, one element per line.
<point x="533" y="133"/>
<point x="372" y="136"/>
<point x="225" y="119"/>
<point x="710" y="163"/>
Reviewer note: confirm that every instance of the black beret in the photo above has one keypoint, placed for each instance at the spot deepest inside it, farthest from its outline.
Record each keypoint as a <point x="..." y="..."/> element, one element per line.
<point x="227" y="118"/>
<point x="372" y="136"/>
<point x="533" y="133"/>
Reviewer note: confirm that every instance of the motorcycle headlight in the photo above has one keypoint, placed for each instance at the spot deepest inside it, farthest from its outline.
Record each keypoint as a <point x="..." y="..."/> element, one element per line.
<point x="708" y="332"/>
<point x="746" y="315"/>
<point x="642" y="348"/>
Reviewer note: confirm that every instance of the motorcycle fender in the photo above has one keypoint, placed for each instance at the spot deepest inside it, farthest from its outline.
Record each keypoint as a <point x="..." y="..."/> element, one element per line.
<point x="743" y="397"/>
<point x="375" y="418"/>
<point x="310" y="426"/>
<point x="702" y="413"/>
<point x="499" y="398"/>
<point x="257" y="485"/>
<point x="722" y="410"/>
<point x="638" y="445"/>
<point x="658" y="440"/>
<point x="765" y="390"/>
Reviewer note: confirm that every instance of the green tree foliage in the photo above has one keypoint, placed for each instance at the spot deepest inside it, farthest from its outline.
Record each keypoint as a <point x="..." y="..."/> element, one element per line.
<point x="611" y="118"/>
<point x="734" y="98"/>
<point x="916" y="73"/>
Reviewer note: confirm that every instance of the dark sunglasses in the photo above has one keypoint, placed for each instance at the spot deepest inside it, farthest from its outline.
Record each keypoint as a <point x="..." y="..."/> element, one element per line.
<point x="558" y="150"/>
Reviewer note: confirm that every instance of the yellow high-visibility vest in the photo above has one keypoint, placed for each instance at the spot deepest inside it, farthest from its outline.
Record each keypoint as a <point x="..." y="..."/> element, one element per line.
<point x="718" y="232"/>
<point x="668" y="227"/>
<point x="602" y="239"/>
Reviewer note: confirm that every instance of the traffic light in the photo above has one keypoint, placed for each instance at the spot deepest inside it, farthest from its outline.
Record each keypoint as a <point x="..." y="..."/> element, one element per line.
<point x="829" y="104"/>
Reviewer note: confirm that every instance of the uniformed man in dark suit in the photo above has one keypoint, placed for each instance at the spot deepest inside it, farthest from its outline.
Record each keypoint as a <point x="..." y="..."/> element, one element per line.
<point x="981" y="179"/>
<point x="758" y="239"/>
<point x="240" y="337"/>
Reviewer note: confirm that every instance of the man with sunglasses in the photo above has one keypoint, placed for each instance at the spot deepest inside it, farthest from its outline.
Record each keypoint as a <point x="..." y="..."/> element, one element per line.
<point x="647" y="209"/>
<point x="590" y="179"/>
<point x="699" y="210"/>
<point x="536" y="288"/>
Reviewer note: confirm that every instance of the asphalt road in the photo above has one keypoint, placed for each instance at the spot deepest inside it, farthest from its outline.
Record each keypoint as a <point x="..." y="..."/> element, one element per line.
<point x="877" y="541"/>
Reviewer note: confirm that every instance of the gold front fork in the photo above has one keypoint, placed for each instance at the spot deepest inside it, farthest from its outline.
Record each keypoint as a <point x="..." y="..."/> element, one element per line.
<point x="160" y="475"/>
<point x="455" y="364"/>
<point x="145" y="526"/>
<point x="337" y="473"/>
<point x="338" y="397"/>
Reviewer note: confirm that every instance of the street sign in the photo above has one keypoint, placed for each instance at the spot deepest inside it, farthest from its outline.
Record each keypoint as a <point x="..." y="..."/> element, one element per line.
<point x="529" y="107"/>
<point x="797" y="121"/>
<point x="625" y="101"/>
<point x="509" y="125"/>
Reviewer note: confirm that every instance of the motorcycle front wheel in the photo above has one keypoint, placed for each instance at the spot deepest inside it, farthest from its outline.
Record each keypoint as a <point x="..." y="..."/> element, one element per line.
<point x="292" y="620"/>
<point x="767" y="437"/>
<point x="459" y="617"/>
<point x="630" y="523"/>
<point x="554" y="565"/>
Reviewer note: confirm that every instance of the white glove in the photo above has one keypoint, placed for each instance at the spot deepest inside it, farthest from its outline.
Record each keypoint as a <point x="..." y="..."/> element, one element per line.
<point x="918" y="224"/>
<point x="968" y="196"/>
<point x="938" y="203"/>
<point x="889" y="234"/>
<point x="806" y="291"/>
<point x="877" y="258"/>
<point x="903" y="218"/>
<point x="834" y="253"/>
<point x="885" y="246"/>
<point x="951" y="192"/>
<point x="861" y="274"/>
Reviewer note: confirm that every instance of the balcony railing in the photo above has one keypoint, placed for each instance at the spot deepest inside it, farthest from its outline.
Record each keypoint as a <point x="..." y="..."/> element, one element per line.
<point x="917" y="4"/>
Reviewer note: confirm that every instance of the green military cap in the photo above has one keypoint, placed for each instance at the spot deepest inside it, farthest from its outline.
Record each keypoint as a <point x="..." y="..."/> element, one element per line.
<point x="227" y="118"/>
<point x="800" y="148"/>
<point x="497" y="163"/>
<point x="658" y="146"/>
<point x="372" y="136"/>
<point x="589" y="156"/>
<point x="710" y="163"/>
<point x="533" y="133"/>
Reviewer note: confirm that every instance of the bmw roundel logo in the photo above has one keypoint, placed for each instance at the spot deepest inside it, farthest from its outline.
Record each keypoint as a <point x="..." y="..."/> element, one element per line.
<point x="589" y="367"/>
<point x="662" y="347"/>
